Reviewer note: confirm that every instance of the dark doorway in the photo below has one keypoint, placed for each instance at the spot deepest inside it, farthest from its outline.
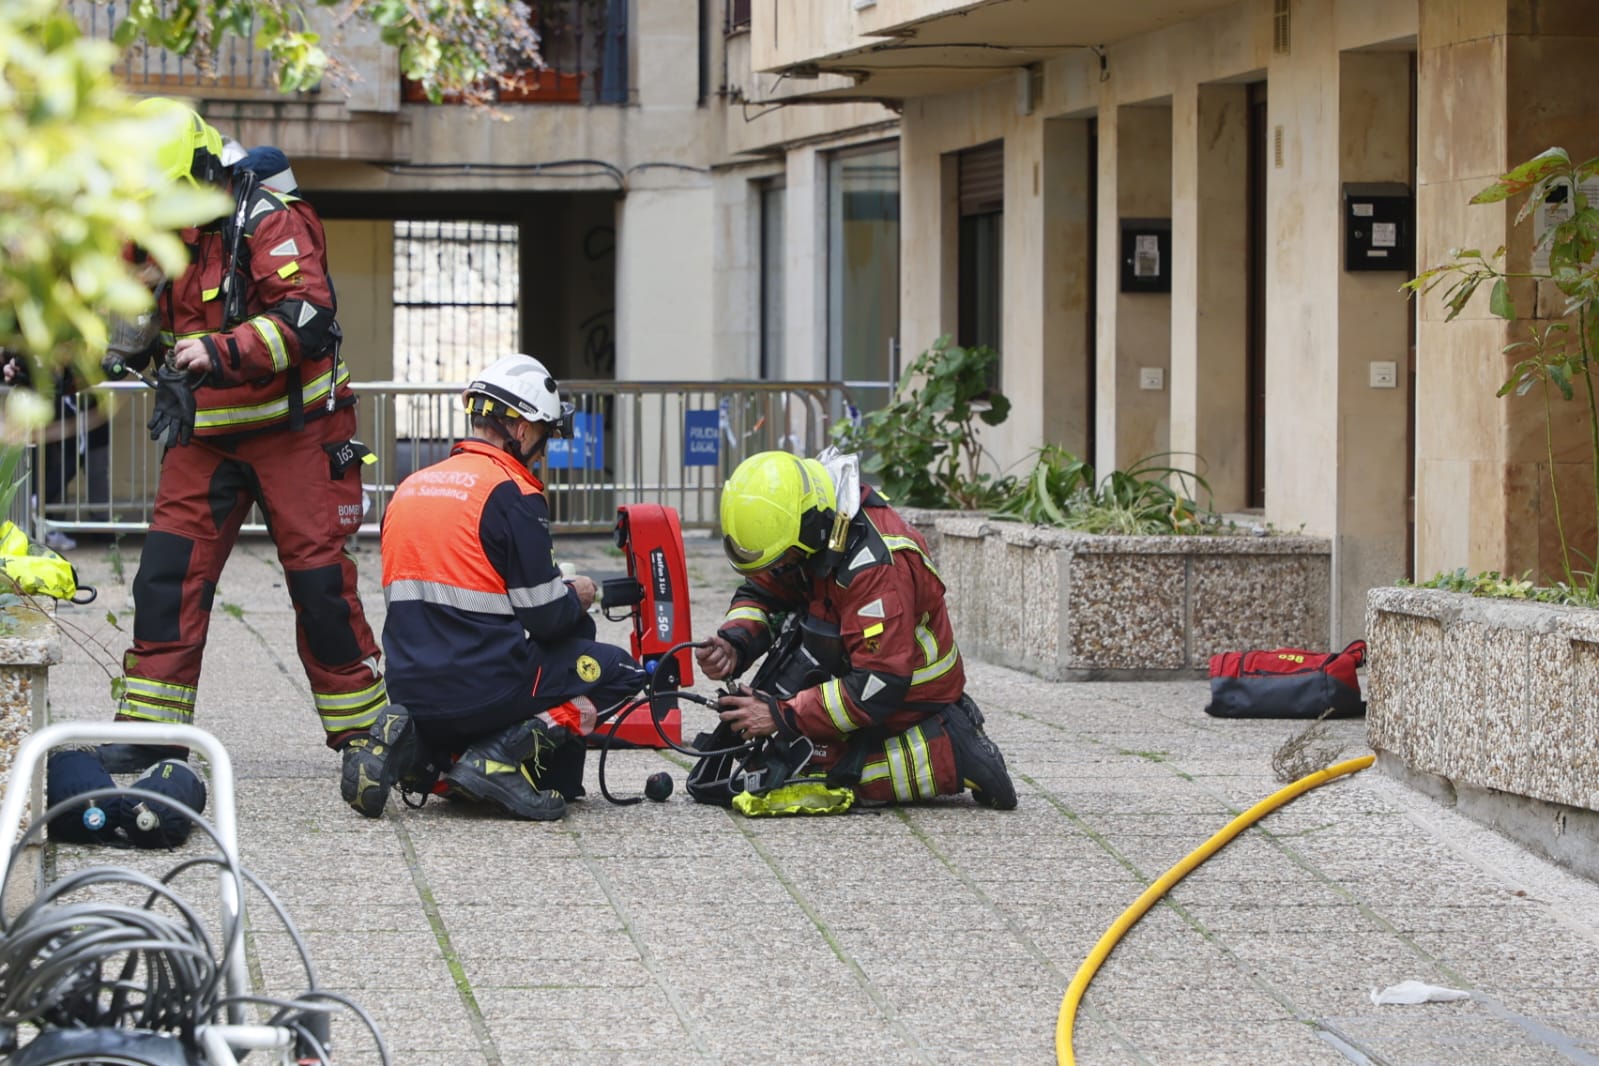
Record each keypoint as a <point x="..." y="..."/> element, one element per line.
<point x="1255" y="380"/>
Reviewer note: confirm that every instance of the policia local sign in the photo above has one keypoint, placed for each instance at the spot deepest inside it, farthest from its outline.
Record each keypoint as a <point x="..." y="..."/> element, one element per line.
<point x="701" y="437"/>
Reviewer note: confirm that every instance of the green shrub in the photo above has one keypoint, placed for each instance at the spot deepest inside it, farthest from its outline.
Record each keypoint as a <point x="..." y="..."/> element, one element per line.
<point x="922" y="449"/>
<point x="1491" y="584"/>
<point x="1063" y="490"/>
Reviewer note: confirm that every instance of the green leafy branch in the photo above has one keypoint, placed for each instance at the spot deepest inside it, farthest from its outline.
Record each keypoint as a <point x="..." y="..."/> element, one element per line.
<point x="449" y="46"/>
<point x="924" y="449"/>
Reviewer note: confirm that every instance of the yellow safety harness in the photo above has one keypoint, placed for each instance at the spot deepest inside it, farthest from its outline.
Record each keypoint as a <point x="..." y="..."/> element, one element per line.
<point x="36" y="570"/>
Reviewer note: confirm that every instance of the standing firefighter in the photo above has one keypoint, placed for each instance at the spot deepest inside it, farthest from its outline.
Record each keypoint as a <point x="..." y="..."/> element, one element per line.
<point x="887" y="712"/>
<point x="254" y="407"/>
<point x="491" y="651"/>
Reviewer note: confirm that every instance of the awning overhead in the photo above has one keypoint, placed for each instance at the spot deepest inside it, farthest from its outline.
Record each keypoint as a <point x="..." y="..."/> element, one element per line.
<point x="942" y="46"/>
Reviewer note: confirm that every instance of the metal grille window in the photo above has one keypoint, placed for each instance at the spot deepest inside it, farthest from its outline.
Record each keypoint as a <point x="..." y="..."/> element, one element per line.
<point x="456" y="303"/>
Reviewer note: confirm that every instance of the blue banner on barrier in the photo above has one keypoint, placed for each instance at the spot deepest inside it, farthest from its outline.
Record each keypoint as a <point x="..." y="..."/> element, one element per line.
<point x="585" y="450"/>
<point x="701" y="440"/>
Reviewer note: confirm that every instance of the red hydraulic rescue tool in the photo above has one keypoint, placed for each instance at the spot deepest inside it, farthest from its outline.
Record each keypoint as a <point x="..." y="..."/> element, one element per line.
<point x="654" y="595"/>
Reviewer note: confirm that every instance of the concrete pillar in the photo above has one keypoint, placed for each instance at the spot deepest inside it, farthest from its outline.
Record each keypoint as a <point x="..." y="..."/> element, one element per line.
<point x="805" y="303"/>
<point x="1046" y="298"/>
<point x="1304" y="264"/>
<point x="663" y="298"/>
<point x="1498" y="82"/>
<point x="1373" y="327"/>
<point x="1210" y="288"/>
<point x="361" y="261"/>
<point x="736" y="275"/>
<point x="1134" y="329"/>
<point x="928" y="241"/>
<point x="1335" y="447"/>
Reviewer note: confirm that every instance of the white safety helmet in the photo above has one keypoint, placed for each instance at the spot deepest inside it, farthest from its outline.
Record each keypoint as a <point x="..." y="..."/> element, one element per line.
<point x="518" y="386"/>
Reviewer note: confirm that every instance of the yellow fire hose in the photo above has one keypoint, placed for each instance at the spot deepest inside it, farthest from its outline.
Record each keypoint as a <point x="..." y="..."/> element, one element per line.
<point x="1129" y="917"/>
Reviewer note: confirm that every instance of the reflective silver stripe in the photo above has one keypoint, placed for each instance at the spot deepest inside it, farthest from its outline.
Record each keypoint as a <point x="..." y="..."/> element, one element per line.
<point x="362" y="719"/>
<point x="437" y="592"/>
<point x="929" y="643"/>
<point x="936" y="670"/>
<point x="224" y="417"/>
<point x="168" y="338"/>
<point x="538" y="595"/>
<point x="130" y="707"/>
<point x="347" y="701"/>
<point x="833" y="700"/>
<point x="136" y="687"/>
<point x="875" y="770"/>
<point x="921" y="762"/>
<point x="897" y="772"/>
<point x="753" y="614"/>
<point x="269" y="332"/>
<point x="897" y="544"/>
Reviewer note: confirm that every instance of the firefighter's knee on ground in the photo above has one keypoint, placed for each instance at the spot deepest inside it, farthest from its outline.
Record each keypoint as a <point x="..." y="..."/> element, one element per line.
<point x="324" y="612"/>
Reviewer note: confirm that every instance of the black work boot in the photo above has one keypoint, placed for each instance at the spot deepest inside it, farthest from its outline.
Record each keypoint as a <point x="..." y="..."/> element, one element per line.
<point x="977" y="759"/>
<point x="137" y="758"/>
<point x="373" y="762"/>
<point x="492" y="771"/>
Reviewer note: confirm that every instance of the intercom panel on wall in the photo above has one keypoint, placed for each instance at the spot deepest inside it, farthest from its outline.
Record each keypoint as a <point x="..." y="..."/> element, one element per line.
<point x="1146" y="255"/>
<point x="1379" y="226"/>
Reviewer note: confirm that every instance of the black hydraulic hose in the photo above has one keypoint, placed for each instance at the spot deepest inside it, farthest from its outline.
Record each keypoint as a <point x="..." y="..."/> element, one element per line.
<point x="618" y="714"/>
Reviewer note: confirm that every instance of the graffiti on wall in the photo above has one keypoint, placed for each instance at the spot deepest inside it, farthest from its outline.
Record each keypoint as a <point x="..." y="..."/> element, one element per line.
<point x="598" y="351"/>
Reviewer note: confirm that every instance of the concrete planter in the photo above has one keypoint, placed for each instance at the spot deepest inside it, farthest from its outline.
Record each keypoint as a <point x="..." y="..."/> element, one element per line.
<point x="1492" y="705"/>
<point x="1078" y="606"/>
<point x="30" y="643"/>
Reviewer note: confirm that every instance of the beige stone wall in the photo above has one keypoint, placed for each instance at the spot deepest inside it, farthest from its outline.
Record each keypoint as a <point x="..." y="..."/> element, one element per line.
<point x="1172" y="142"/>
<point x="361" y="260"/>
<point x="1499" y="83"/>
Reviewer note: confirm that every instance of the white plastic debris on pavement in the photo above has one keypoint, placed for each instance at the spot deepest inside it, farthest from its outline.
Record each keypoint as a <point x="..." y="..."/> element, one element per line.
<point x="1409" y="993"/>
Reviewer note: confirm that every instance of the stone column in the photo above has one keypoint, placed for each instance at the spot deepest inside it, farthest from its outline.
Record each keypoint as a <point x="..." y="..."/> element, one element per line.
<point x="1210" y="288"/>
<point x="1499" y="81"/>
<point x="1374" y="111"/>
<point x="1134" y="328"/>
<point x="1046" y="298"/>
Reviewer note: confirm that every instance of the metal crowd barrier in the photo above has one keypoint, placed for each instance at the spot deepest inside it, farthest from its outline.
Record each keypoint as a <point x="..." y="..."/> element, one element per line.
<point x="668" y="442"/>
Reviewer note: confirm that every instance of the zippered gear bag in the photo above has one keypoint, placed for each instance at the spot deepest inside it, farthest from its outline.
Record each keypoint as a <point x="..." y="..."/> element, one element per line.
<point x="1286" y="683"/>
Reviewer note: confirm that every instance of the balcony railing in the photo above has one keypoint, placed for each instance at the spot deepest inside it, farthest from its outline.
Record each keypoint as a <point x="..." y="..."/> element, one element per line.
<point x="584" y="47"/>
<point x="233" y="68"/>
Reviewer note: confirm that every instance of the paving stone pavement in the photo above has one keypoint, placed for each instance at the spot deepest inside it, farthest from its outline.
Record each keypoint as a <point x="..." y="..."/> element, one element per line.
<point x="942" y="934"/>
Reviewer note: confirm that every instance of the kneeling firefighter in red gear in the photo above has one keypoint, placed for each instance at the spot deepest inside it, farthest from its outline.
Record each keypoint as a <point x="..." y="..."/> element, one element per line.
<point x="884" y="709"/>
<point x="253" y="407"/>
<point x="491" y="651"/>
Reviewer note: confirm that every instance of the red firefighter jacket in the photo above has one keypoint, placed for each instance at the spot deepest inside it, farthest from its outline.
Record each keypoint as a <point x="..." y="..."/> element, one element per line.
<point x="285" y="344"/>
<point x="888" y="603"/>
<point x="469" y="575"/>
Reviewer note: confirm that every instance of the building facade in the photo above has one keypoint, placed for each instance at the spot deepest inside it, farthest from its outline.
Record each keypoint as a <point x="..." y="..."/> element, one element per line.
<point x="1184" y="224"/>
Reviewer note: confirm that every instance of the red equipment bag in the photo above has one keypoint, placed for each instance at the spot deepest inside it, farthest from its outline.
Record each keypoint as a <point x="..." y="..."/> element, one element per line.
<point x="1286" y="683"/>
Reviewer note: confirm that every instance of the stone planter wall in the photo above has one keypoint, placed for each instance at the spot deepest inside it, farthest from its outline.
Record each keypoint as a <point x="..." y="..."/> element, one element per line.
<point x="30" y="643"/>
<point x="1078" y="606"/>
<point x="1492" y="705"/>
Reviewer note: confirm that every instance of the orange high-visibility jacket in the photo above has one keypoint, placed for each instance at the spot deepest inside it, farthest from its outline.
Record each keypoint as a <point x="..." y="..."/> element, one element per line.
<point x="471" y="583"/>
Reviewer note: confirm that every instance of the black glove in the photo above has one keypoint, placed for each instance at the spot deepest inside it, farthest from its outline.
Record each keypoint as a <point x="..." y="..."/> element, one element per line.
<point x="173" y="421"/>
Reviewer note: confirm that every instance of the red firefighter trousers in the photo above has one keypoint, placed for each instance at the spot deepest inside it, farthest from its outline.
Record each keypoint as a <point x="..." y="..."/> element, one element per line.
<point x="311" y="506"/>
